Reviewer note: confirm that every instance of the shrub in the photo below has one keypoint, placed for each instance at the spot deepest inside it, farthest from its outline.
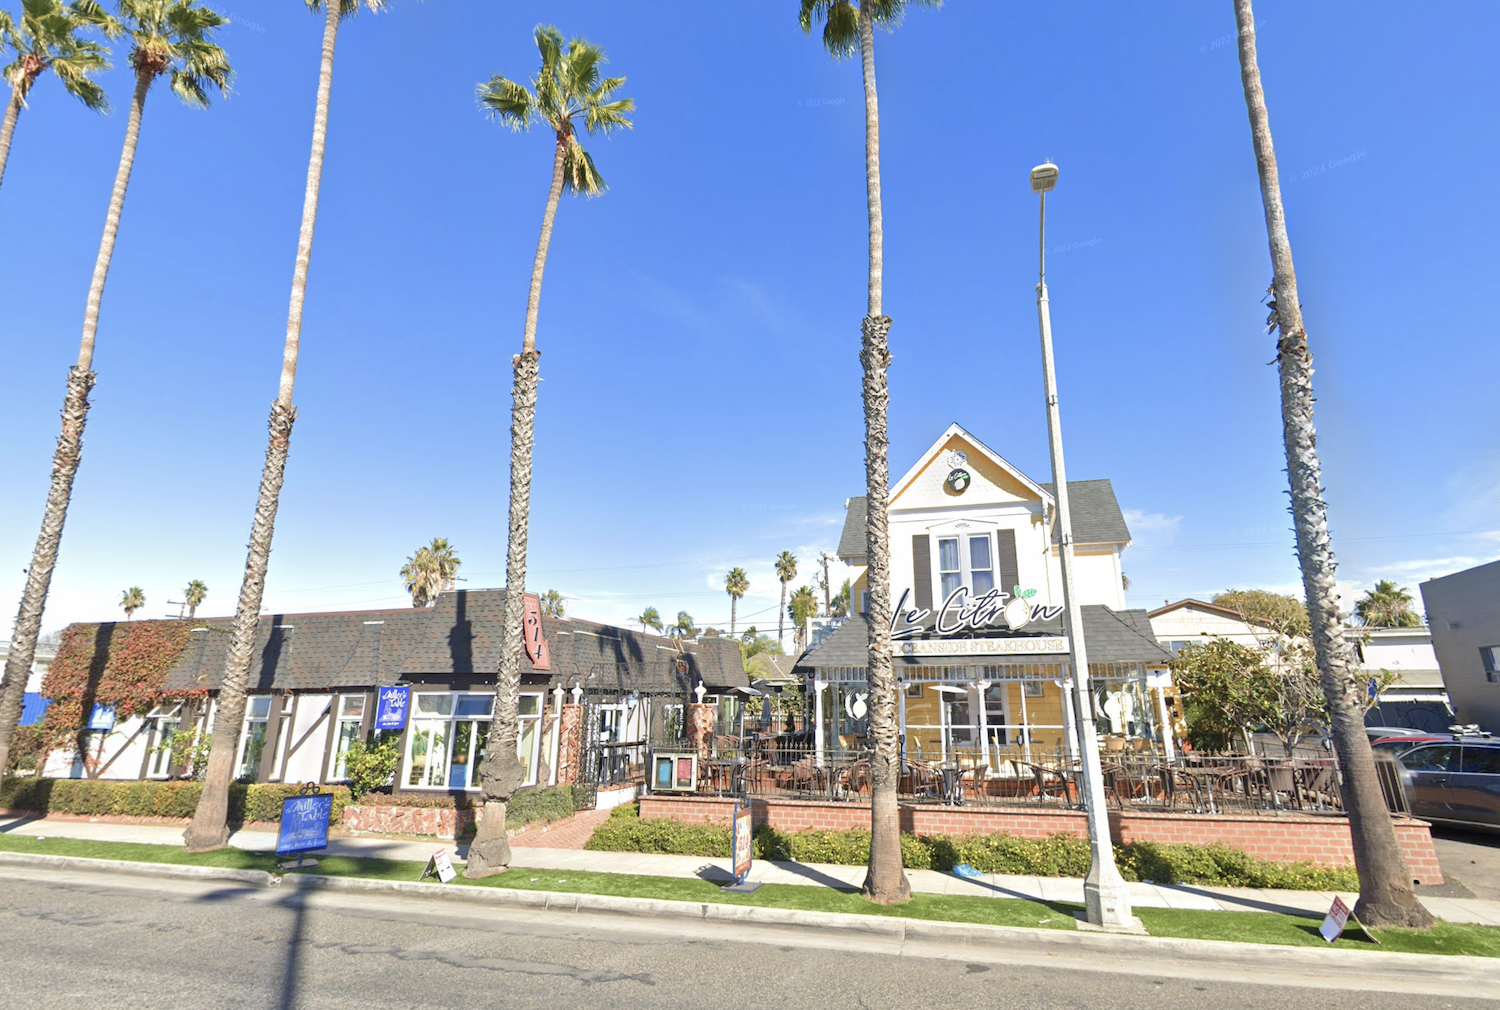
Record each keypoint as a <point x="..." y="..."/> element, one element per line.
<point x="371" y="766"/>
<point x="659" y="835"/>
<point x="545" y="804"/>
<point x="150" y="798"/>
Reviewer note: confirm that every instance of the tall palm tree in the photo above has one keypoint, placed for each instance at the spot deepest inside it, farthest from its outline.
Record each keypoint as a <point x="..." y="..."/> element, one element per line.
<point x="803" y="608"/>
<point x="430" y="570"/>
<point x="1387" y="606"/>
<point x="553" y="604"/>
<point x="846" y="31"/>
<point x="786" y="571"/>
<point x="736" y="584"/>
<point x="47" y="39"/>
<point x="1386" y="897"/>
<point x="650" y="619"/>
<point x="684" y="626"/>
<point x="568" y="89"/>
<point x="171" y="38"/>
<point x="194" y="595"/>
<point x="210" y="826"/>
<point x="132" y="600"/>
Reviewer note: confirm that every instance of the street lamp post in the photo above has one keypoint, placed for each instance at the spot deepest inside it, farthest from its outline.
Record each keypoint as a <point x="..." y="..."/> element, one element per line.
<point x="1106" y="899"/>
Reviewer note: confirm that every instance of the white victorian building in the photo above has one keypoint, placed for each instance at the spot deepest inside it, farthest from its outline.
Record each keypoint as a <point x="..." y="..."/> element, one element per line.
<point x="978" y="633"/>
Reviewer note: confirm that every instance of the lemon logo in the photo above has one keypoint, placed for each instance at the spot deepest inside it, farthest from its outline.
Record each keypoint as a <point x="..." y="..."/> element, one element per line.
<point x="1018" y="610"/>
<point x="958" y="481"/>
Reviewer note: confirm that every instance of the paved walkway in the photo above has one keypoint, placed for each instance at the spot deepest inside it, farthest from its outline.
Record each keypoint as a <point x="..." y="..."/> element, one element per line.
<point x="1142" y="895"/>
<point x="568" y="833"/>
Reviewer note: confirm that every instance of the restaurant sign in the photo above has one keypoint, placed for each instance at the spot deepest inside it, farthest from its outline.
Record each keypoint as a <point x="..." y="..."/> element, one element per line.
<point x="1048" y="645"/>
<point x="963" y="613"/>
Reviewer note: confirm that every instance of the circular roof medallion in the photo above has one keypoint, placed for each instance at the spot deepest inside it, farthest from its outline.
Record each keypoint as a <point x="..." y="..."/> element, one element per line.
<point x="958" y="480"/>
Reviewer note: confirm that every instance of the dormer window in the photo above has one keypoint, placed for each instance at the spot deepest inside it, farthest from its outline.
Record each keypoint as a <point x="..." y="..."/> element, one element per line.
<point x="966" y="560"/>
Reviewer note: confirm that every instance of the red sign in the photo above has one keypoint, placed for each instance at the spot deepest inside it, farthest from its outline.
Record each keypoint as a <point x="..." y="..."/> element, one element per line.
<point x="743" y="836"/>
<point x="1336" y="920"/>
<point x="531" y="631"/>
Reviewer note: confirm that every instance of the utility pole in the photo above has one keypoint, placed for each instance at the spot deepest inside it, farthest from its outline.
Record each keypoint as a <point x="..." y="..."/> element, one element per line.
<point x="824" y="559"/>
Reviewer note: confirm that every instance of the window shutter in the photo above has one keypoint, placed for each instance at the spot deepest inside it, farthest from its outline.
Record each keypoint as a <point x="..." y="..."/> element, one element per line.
<point x="921" y="571"/>
<point x="1005" y="560"/>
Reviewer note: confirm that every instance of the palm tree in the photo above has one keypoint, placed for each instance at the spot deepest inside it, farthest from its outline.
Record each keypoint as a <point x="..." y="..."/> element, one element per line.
<point x="845" y="32"/>
<point x="132" y="601"/>
<point x="650" y="619"/>
<point x="48" y="40"/>
<point x="567" y="89"/>
<point x="194" y="595"/>
<point x="840" y="605"/>
<point x="1387" y="606"/>
<point x="431" y="570"/>
<point x="736" y="584"/>
<point x="169" y="38"/>
<point x="210" y="828"/>
<point x="803" y="608"/>
<point x="684" y="628"/>
<point x="786" y="571"/>
<point x="553" y="604"/>
<point x="1386" y="897"/>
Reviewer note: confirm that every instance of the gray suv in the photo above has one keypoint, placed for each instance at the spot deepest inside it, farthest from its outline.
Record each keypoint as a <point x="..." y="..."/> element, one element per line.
<point x="1455" y="781"/>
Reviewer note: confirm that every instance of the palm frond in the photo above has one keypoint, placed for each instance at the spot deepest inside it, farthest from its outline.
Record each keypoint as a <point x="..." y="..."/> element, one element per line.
<point x="840" y="20"/>
<point x="609" y="115"/>
<point x="579" y="173"/>
<point x="74" y="71"/>
<point x="93" y="14"/>
<point x="581" y="68"/>
<point x="549" y="43"/>
<point x="507" y="102"/>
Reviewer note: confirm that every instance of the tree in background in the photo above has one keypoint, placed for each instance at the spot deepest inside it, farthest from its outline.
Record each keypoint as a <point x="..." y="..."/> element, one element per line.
<point x="786" y="571"/>
<point x="803" y="608"/>
<point x="753" y="643"/>
<point x="840" y="605"/>
<point x="1386" y="897"/>
<point x="132" y="601"/>
<point x="1284" y="614"/>
<point x="568" y="89"/>
<point x="846" y="31"/>
<point x="736" y="584"/>
<point x="650" y="620"/>
<point x="194" y="595"/>
<point x="684" y="628"/>
<point x="47" y="39"/>
<point x="553" y="603"/>
<point x="169" y="38"/>
<point x="210" y="826"/>
<point x="1387" y="606"/>
<point x="429" y="571"/>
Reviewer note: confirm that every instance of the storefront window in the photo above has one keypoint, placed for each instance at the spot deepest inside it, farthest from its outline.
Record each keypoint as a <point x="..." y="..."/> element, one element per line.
<point x="529" y="712"/>
<point x="253" y="739"/>
<point x="351" y="715"/>
<point x="447" y="739"/>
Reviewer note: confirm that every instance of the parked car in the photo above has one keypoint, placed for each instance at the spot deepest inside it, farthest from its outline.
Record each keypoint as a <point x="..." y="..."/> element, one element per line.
<point x="1386" y="732"/>
<point x="1454" y="781"/>
<point x="1397" y="744"/>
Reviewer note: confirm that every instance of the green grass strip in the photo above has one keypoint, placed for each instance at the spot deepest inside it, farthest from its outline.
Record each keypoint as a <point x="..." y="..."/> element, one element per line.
<point x="1236" y="927"/>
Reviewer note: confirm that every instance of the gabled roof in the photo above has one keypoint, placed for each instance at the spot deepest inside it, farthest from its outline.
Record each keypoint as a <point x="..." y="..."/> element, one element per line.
<point x="1096" y="514"/>
<point x="852" y="540"/>
<point x="1212" y="607"/>
<point x="993" y="456"/>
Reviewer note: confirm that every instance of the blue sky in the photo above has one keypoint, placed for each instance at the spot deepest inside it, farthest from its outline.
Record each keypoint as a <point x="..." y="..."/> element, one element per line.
<point x="700" y="322"/>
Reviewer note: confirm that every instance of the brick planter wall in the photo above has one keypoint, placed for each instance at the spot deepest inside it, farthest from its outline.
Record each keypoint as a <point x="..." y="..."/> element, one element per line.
<point x="1282" y="838"/>
<point x="569" y="744"/>
<point x="437" y="821"/>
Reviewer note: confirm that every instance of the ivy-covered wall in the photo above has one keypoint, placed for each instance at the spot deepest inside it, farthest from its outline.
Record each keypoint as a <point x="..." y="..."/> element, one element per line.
<point x="123" y="665"/>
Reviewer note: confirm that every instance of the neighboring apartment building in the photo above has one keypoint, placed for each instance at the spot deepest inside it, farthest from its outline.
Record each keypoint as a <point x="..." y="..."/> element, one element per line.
<point x="35" y="704"/>
<point x="1463" y="611"/>
<point x="985" y="672"/>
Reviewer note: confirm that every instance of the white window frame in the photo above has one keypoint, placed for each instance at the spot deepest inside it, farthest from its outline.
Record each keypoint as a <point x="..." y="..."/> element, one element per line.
<point x="533" y="723"/>
<point x="963" y="532"/>
<point x="250" y="720"/>
<point x="159" y="765"/>
<point x="336" y="770"/>
<point x="1489" y="656"/>
<point x="419" y="723"/>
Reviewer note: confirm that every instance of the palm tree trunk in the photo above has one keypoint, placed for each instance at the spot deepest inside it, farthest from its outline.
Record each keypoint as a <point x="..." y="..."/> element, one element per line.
<point x="210" y="826"/>
<point x="1386" y="896"/>
<point x="501" y="772"/>
<point x="8" y="127"/>
<point x="69" y="450"/>
<point x="781" y="620"/>
<point x="885" y="882"/>
<point x="734" y="609"/>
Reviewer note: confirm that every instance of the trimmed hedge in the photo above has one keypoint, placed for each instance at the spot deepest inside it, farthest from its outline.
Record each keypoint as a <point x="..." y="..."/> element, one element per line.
<point x="547" y="803"/>
<point x="1061" y="855"/>
<point x="151" y="798"/>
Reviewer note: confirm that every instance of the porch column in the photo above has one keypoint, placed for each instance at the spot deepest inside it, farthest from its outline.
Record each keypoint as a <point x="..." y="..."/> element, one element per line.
<point x="556" y="745"/>
<point x="818" y="686"/>
<point x="1070" y="723"/>
<point x="984" y="723"/>
<point x="901" y="708"/>
<point x="1168" y="744"/>
<point x="1025" y="726"/>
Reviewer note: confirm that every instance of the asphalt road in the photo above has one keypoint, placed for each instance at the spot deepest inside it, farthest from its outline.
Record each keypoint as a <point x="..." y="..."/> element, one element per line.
<point x="72" y="939"/>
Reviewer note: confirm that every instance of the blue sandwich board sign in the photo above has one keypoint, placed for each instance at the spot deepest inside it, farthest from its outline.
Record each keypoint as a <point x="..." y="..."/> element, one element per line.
<point x="304" y="824"/>
<point x="391" y="706"/>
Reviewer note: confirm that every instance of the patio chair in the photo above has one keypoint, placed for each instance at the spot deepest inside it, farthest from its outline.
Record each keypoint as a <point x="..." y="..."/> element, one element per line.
<point x="1050" y="782"/>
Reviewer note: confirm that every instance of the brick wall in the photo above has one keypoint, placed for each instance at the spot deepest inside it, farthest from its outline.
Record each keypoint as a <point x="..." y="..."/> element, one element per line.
<point x="570" y="743"/>
<point x="1284" y="838"/>
<point x="436" y="821"/>
<point x="700" y="729"/>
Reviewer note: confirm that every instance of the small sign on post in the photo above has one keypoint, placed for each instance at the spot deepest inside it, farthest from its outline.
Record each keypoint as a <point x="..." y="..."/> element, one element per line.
<point x="440" y="866"/>
<point x="742" y="850"/>
<point x="304" y="825"/>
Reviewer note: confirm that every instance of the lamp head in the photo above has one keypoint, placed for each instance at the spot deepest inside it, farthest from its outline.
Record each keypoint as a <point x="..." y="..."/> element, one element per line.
<point x="1043" y="177"/>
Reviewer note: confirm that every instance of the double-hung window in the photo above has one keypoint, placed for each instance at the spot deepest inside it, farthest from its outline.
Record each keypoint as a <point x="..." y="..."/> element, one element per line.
<point x="966" y="560"/>
<point x="447" y="739"/>
<point x="253" y="739"/>
<point x="167" y="720"/>
<point x="529" y="736"/>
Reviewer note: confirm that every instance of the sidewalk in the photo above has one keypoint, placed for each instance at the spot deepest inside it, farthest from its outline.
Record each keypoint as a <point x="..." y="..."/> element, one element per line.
<point x="1142" y="895"/>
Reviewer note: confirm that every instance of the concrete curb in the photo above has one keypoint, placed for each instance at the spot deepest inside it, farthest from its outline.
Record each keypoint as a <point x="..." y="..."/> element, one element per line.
<point x="255" y="878"/>
<point x="1455" y="975"/>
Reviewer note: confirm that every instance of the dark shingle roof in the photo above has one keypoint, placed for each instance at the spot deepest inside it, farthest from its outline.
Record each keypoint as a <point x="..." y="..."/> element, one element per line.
<point x="852" y="540"/>
<point x="460" y="635"/>
<point x="1112" y="636"/>
<point x="1097" y="518"/>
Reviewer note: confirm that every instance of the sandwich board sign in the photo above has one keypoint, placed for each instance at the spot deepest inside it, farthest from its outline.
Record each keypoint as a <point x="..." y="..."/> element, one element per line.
<point x="1335" y="921"/>
<point x="304" y="825"/>
<point x="440" y="866"/>
<point x="742" y="850"/>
